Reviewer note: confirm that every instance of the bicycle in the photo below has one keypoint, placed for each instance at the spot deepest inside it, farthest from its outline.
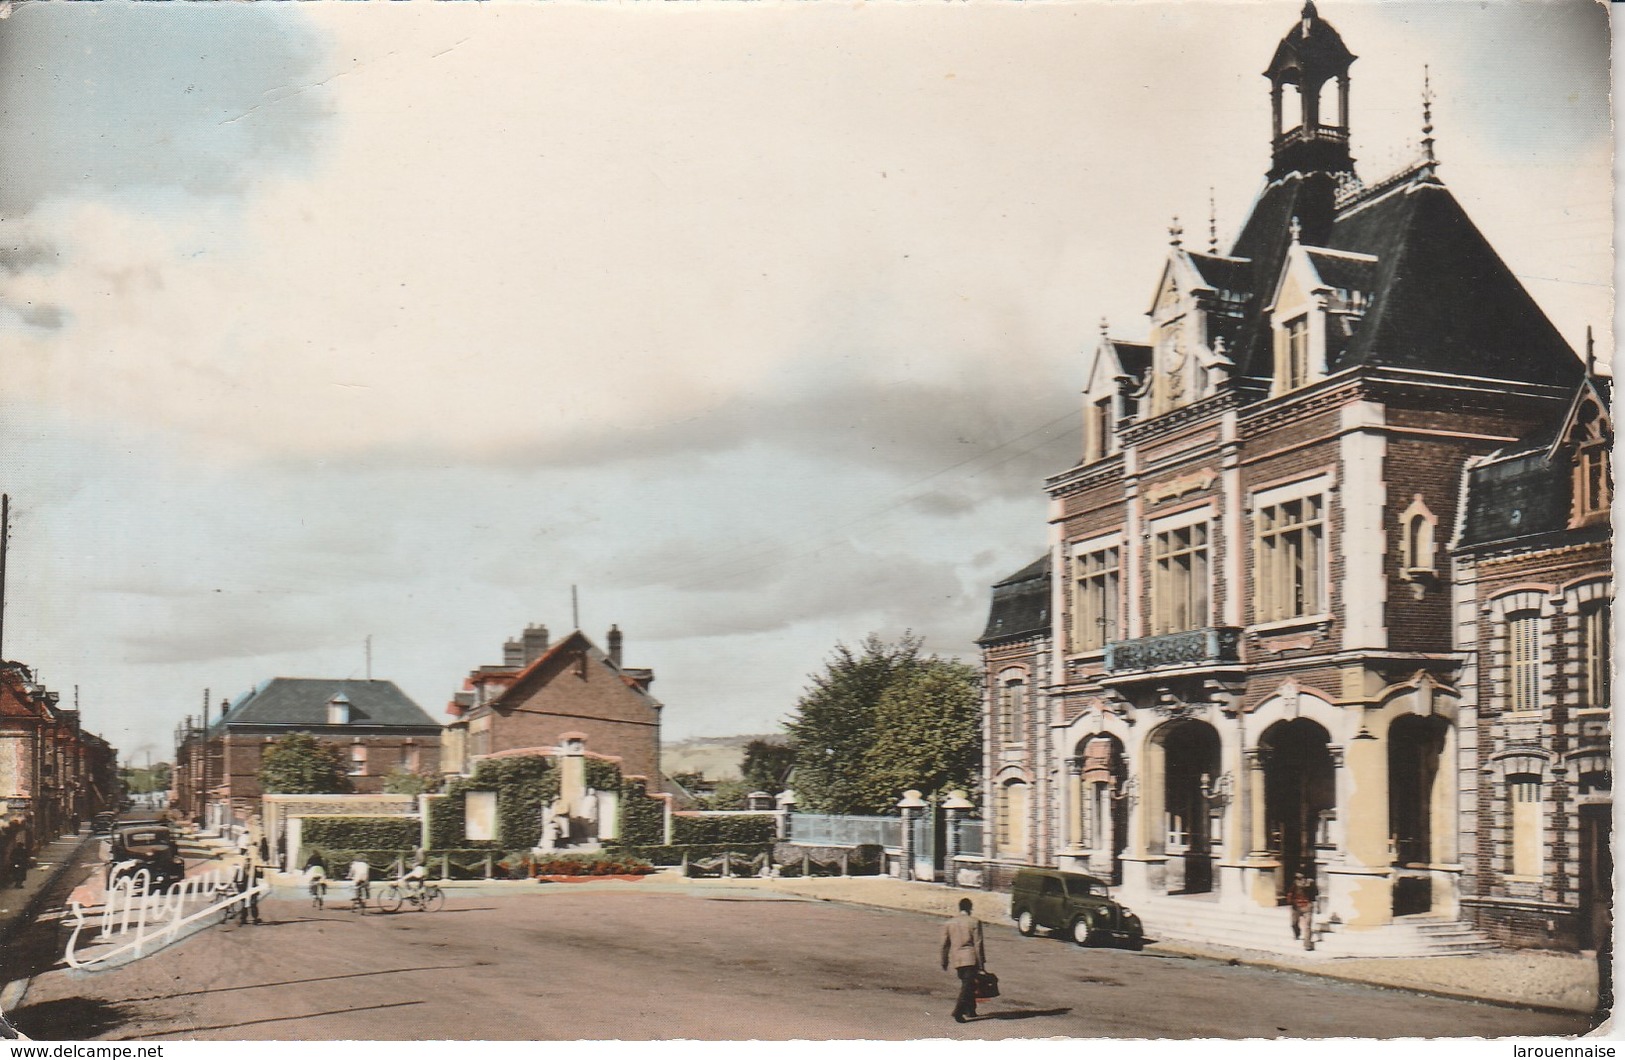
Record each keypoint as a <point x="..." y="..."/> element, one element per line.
<point x="318" y="892"/>
<point x="362" y="891"/>
<point x="427" y="899"/>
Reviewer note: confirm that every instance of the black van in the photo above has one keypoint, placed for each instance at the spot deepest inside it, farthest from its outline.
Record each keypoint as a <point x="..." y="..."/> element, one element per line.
<point x="1079" y="905"/>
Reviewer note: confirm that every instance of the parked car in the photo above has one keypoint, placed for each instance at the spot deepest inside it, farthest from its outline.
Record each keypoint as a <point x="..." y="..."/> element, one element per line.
<point x="145" y="846"/>
<point x="102" y="823"/>
<point x="1078" y="905"/>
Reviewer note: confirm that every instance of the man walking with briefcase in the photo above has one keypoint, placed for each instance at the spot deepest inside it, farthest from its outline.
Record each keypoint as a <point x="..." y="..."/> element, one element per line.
<point x="962" y="950"/>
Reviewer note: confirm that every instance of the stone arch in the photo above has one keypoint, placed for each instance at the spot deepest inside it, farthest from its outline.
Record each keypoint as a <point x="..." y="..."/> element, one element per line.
<point x="1292" y="700"/>
<point x="1300" y="794"/>
<point x="1100" y="817"/>
<point x="1182" y="819"/>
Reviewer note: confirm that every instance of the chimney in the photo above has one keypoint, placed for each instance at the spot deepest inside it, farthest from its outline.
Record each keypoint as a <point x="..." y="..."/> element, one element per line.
<point x="614" y="639"/>
<point x="535" y="638"/>
<point x="513" y="654"/>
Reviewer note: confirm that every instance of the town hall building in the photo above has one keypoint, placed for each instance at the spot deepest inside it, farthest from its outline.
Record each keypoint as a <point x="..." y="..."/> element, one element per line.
<point x="1326" y="595"/>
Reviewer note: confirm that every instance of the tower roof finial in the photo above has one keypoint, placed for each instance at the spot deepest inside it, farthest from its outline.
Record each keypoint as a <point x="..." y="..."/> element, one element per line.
<point x="1297" y="229"/>
<point x="1428" y="158"/>
<point x="1212" y="223"/>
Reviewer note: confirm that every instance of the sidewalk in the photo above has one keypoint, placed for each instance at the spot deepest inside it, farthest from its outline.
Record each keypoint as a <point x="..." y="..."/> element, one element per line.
<point x="54" y="860"/>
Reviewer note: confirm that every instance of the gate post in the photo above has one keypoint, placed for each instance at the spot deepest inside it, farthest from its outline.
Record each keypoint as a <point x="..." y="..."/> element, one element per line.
<point x="954" y="807"/>
<point x="908" y="805"/>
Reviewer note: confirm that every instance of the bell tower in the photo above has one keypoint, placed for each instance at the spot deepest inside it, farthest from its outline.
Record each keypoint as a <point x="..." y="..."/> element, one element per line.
<point x="1310" y="57"/>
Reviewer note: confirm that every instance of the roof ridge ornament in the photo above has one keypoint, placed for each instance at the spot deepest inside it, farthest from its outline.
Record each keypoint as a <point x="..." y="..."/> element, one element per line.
<point x="1212" y="223"/>
<point x="1296" y="229"/>
<point x="1176" y="234"/>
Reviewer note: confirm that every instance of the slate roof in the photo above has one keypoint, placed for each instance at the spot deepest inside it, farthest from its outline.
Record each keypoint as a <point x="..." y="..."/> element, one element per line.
<point x="1442" y="300"/>
<point x="1222" y="273"/>
<point x="1525" y="491"/>
<point x="1020" y="604"/>
<point x="301" y="703"/>
<point x="1343" y="271"/>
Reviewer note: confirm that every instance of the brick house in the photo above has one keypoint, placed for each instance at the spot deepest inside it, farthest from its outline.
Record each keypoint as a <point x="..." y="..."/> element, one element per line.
<point x="544" y="692"/>
<point x="1534" y="594"/>
<point x="1249" y="670"/>
<point x="380" y="730"/>
<point x="53" y="774"/>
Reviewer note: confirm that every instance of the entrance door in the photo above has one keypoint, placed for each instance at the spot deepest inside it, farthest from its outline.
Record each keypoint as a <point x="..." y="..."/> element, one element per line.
<point x="1300" y="788"/>
<point x="1192" y="761"/>
<point x="1596" y="876"/>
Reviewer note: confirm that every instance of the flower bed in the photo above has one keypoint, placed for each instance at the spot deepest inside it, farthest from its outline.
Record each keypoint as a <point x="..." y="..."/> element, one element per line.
<point x="623" y="877"/>
<point x="590" y="867"/>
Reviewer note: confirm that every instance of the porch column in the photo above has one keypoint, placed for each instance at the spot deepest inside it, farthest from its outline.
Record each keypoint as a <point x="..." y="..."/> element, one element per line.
<point x="1445" y="855"/>
<point x="1260" y="874"/>
<point x="1360" y="886"/>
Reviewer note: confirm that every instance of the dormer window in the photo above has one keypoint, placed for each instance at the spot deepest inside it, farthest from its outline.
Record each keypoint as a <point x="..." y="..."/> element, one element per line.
<point x="1593" y="492"/>
<point x="338" y="710"/>
<point x="1295" y="356"/>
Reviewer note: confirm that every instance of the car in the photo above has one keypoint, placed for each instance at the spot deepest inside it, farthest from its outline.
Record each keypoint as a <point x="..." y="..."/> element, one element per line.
<point x="1074" y="905"/>
<point x="102" y="823"/>
<point x="145" y="846"/>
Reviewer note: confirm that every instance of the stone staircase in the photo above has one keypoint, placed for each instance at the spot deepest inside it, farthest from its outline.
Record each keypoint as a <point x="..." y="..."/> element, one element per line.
<point x="1201" y="918"/>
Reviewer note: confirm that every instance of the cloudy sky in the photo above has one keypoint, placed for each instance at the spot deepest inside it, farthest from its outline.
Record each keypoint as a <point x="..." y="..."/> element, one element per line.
<point x="762" y="324"/>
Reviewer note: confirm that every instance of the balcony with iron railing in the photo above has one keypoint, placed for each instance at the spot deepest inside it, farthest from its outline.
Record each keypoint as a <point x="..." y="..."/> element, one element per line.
<point x="1212" y="646"/>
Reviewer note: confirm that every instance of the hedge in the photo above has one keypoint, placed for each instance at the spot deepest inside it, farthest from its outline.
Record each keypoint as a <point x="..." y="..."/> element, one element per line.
<point x="754" y="828"/>
<point x="602" y="775"/>
<point x="643" y="819"/>
<point x="351" y="833"/>
<point x="524" y="786"/>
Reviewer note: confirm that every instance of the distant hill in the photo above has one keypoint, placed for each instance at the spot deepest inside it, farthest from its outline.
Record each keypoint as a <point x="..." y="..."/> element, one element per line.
<point x="714" y="757"/>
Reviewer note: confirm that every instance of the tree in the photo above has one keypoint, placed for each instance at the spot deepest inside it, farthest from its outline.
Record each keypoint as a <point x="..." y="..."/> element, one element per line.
<point x="298" y="764"/>
<point x="928" y="733"/>
<point x="847" y="758"/>
<point x="766" y="765"/>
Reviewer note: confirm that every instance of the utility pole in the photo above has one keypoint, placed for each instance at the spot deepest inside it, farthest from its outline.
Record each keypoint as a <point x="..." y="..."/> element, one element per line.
<point x="203" y="751"/>
<point x="5" y="545"/>
<point x="575" y="609"/>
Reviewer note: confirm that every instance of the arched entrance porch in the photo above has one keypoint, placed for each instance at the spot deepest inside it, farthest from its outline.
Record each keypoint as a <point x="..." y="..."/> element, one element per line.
<point x="1102" y="821"/>
<point x="1190" y="821"/>
<point x="1300" y="796"/>
<point x="1416" y="747"/>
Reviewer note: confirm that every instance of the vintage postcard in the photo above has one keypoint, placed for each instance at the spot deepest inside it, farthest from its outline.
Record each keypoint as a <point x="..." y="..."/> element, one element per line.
<point x="783" y="522"/>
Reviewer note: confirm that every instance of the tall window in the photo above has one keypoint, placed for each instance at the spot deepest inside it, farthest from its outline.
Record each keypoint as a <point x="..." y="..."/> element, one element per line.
<point x="1015" y="709"/>
<point x="1291" y="559"/>
<point x="1100" y="428"/>
<point x="1295" y="357"/>
<point x="411" y="758"/>
<point x="1179" y="579"/>
<point x="358" y="760"/>
<point x="1523" y="661"/>
<point x="1012" y="818"/>
<point x="1596" y="653"/>
<point x="1095" y="603"/>
<point x="1523" y="793"/>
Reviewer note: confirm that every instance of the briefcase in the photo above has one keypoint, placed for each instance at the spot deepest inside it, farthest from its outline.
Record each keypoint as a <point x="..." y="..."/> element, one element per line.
<point x="987" y="985"/>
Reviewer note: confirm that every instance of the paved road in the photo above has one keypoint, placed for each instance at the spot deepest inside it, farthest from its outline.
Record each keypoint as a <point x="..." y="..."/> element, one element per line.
<point x="637" y="965"/>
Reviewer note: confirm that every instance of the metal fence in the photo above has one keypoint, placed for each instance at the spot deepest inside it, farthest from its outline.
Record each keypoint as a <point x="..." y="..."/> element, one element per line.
<point x="970" y="837"/>
<point x="845" y="830"/>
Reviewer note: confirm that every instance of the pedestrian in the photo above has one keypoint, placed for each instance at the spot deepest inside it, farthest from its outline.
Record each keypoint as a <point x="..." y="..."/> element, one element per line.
<point x="1302" y="900"/>
<point x="963" y="951"/>
<point x="247" y="878"/>
<point x="19" y="865"/>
